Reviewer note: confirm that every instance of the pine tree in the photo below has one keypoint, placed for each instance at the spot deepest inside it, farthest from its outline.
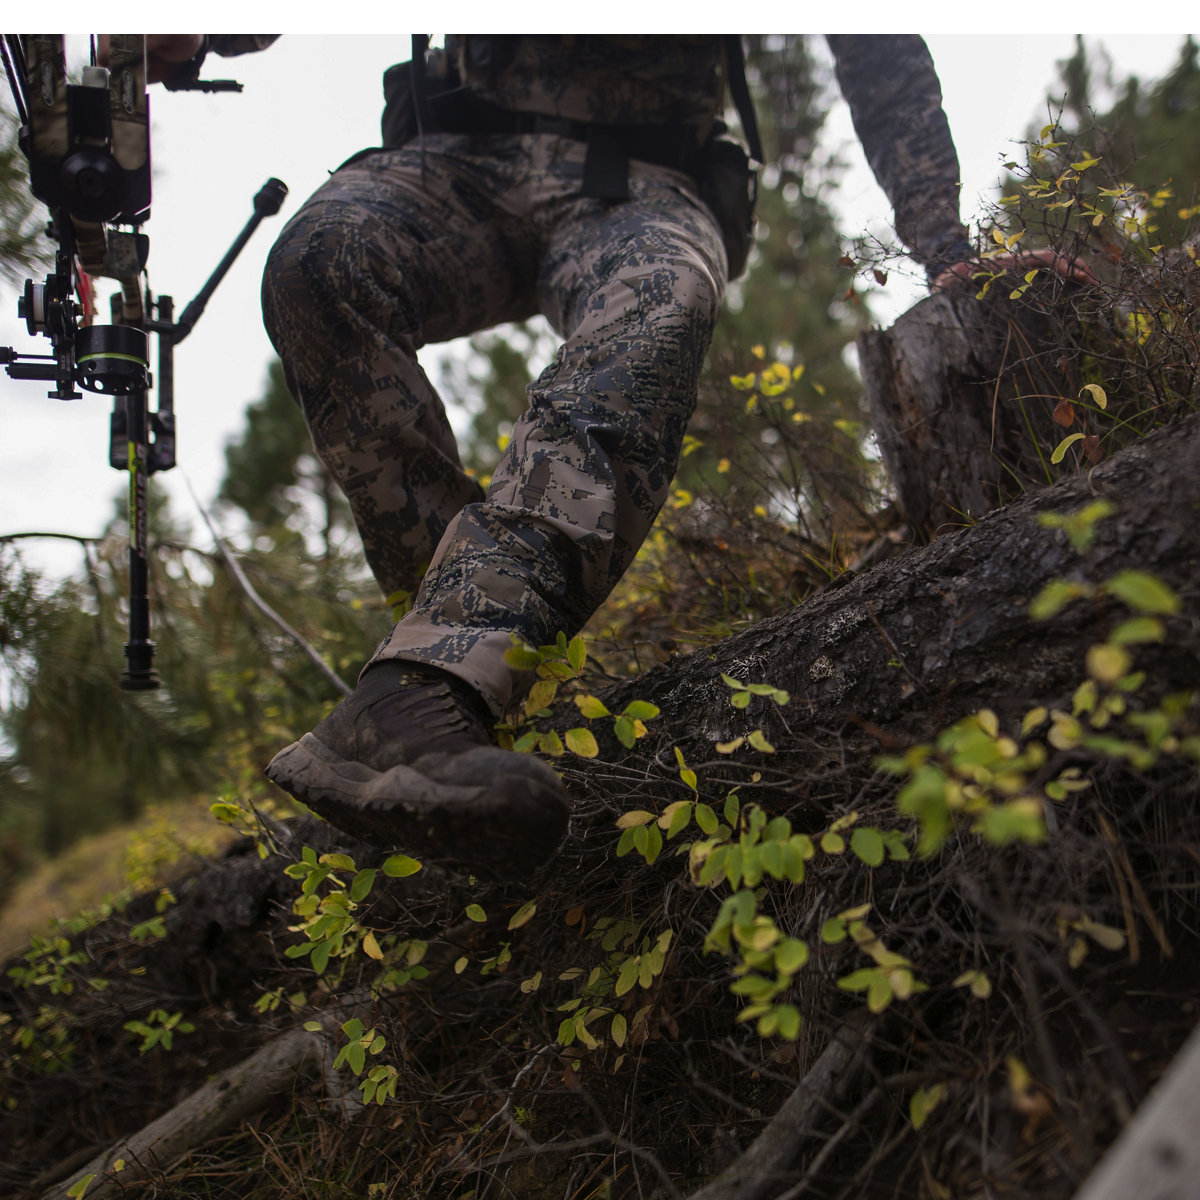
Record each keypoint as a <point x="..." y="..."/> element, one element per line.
<point x="24" y="248"/>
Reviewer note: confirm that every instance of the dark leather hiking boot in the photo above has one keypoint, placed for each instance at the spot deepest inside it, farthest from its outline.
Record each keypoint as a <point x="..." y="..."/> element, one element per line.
<point x="407" y="762"/>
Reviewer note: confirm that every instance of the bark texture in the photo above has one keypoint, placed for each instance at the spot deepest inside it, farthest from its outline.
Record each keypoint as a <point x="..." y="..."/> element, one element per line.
<point x="918" y="641"/>
<point x="964" y="395"/>
<point x="1157" y="1155"/>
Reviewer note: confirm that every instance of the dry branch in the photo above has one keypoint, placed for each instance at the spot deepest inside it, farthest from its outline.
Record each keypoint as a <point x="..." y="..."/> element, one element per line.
<point x="236" y="1093"/>
<point x="762" y="1167"/>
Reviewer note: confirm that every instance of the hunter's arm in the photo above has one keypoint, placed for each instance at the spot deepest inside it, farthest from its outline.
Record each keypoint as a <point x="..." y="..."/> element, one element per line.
<point x="895" y="100"/>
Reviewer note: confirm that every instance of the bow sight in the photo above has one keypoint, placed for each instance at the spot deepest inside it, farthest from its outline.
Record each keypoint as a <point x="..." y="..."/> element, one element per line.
<point x="88" y="146"/>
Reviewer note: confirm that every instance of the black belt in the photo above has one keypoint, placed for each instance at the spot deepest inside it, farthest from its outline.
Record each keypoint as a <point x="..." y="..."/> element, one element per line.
<point x="609" y="147"/>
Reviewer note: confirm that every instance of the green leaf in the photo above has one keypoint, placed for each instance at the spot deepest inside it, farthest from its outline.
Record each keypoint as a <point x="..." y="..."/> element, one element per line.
<point x="81" y="1185"/>
<point x="788" y="1021"/>
<point x="1054" y="597"/>
<point x="577" y="653"/>
<point x="790" y="955"/>
<point x="541" y="695"/>
<point x="833" y="931"/>
<point x="627" y="976"/>
<point x="923" y="1102"/>
<point x="400" y="865"/>
<point x="706" y="819"/>
<point x="860" y="980"/>
<point x="523" y="915"/>
<point x="867" y="844"/>
<point x="475" y="913"/>
<point x="677" y="816"/>
<point x="1142" y="592"/>
<point x="760" y="743"/>
<point x="641" y="710"/>
<point x="364" y="881"/>
<point x="879" y="994"/>
<point x="582" y="742"/>
<point x="773" y="860"/>
<point x="320" y="956"/>
<point x="625" y="730"/>
<point x="1137" y="630"/>
<point x="551" y="744"/>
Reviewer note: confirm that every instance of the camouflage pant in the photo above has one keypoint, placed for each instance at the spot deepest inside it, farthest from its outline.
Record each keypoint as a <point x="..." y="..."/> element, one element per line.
<point x="394" y="252"/>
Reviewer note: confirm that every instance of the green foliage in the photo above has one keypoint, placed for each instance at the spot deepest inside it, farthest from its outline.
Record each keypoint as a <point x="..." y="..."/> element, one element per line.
<point x="273" y="476"/>
<point x="634" y="960"/>
<point x="379" y="1084"/>
<point x="158" y="1029"/>
<point x="998" y="785"/>
<point x="564" y="662"/>
<point x="80" y="754"/>
<point x="1145" y="126"/>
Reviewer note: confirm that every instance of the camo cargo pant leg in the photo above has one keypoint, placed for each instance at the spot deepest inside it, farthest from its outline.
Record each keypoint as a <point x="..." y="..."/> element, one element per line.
<point x="390" y="253"/>
<point x="634" y="289"/>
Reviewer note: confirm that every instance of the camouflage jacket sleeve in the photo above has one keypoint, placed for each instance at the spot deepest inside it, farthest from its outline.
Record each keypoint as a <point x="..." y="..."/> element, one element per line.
<point x="895" y="100"/>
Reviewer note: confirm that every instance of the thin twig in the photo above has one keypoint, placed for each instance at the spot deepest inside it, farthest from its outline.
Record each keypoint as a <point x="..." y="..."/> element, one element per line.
<point x="240" y="576"/>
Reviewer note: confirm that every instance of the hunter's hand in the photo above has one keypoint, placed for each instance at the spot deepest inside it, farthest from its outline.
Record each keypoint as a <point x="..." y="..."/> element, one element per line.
<point x="164" y="52"/>
<point x="1047" y="260"/>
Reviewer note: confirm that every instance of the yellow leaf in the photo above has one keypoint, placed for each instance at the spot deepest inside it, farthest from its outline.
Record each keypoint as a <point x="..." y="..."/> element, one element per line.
<point x="1097" y="393"/>
<point x="371" y="946"/>
<point x="632" y="819"/>
<point x="591" y="707"/>
<point x="1106" y="663"/>
<point x="523" y="915"/>
<point x="1061" y="449"/>
<point x="582" y="742"/>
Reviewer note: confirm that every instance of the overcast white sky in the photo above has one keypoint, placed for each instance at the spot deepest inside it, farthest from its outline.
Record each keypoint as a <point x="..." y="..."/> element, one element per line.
<point x="309" y="102"/>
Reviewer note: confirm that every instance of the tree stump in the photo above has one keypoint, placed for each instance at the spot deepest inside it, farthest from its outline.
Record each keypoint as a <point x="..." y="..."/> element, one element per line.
<point x="970" y="396"/>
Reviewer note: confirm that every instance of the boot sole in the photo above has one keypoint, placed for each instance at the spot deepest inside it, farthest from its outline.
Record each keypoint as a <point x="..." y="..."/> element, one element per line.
<point x="489" y="810"/>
